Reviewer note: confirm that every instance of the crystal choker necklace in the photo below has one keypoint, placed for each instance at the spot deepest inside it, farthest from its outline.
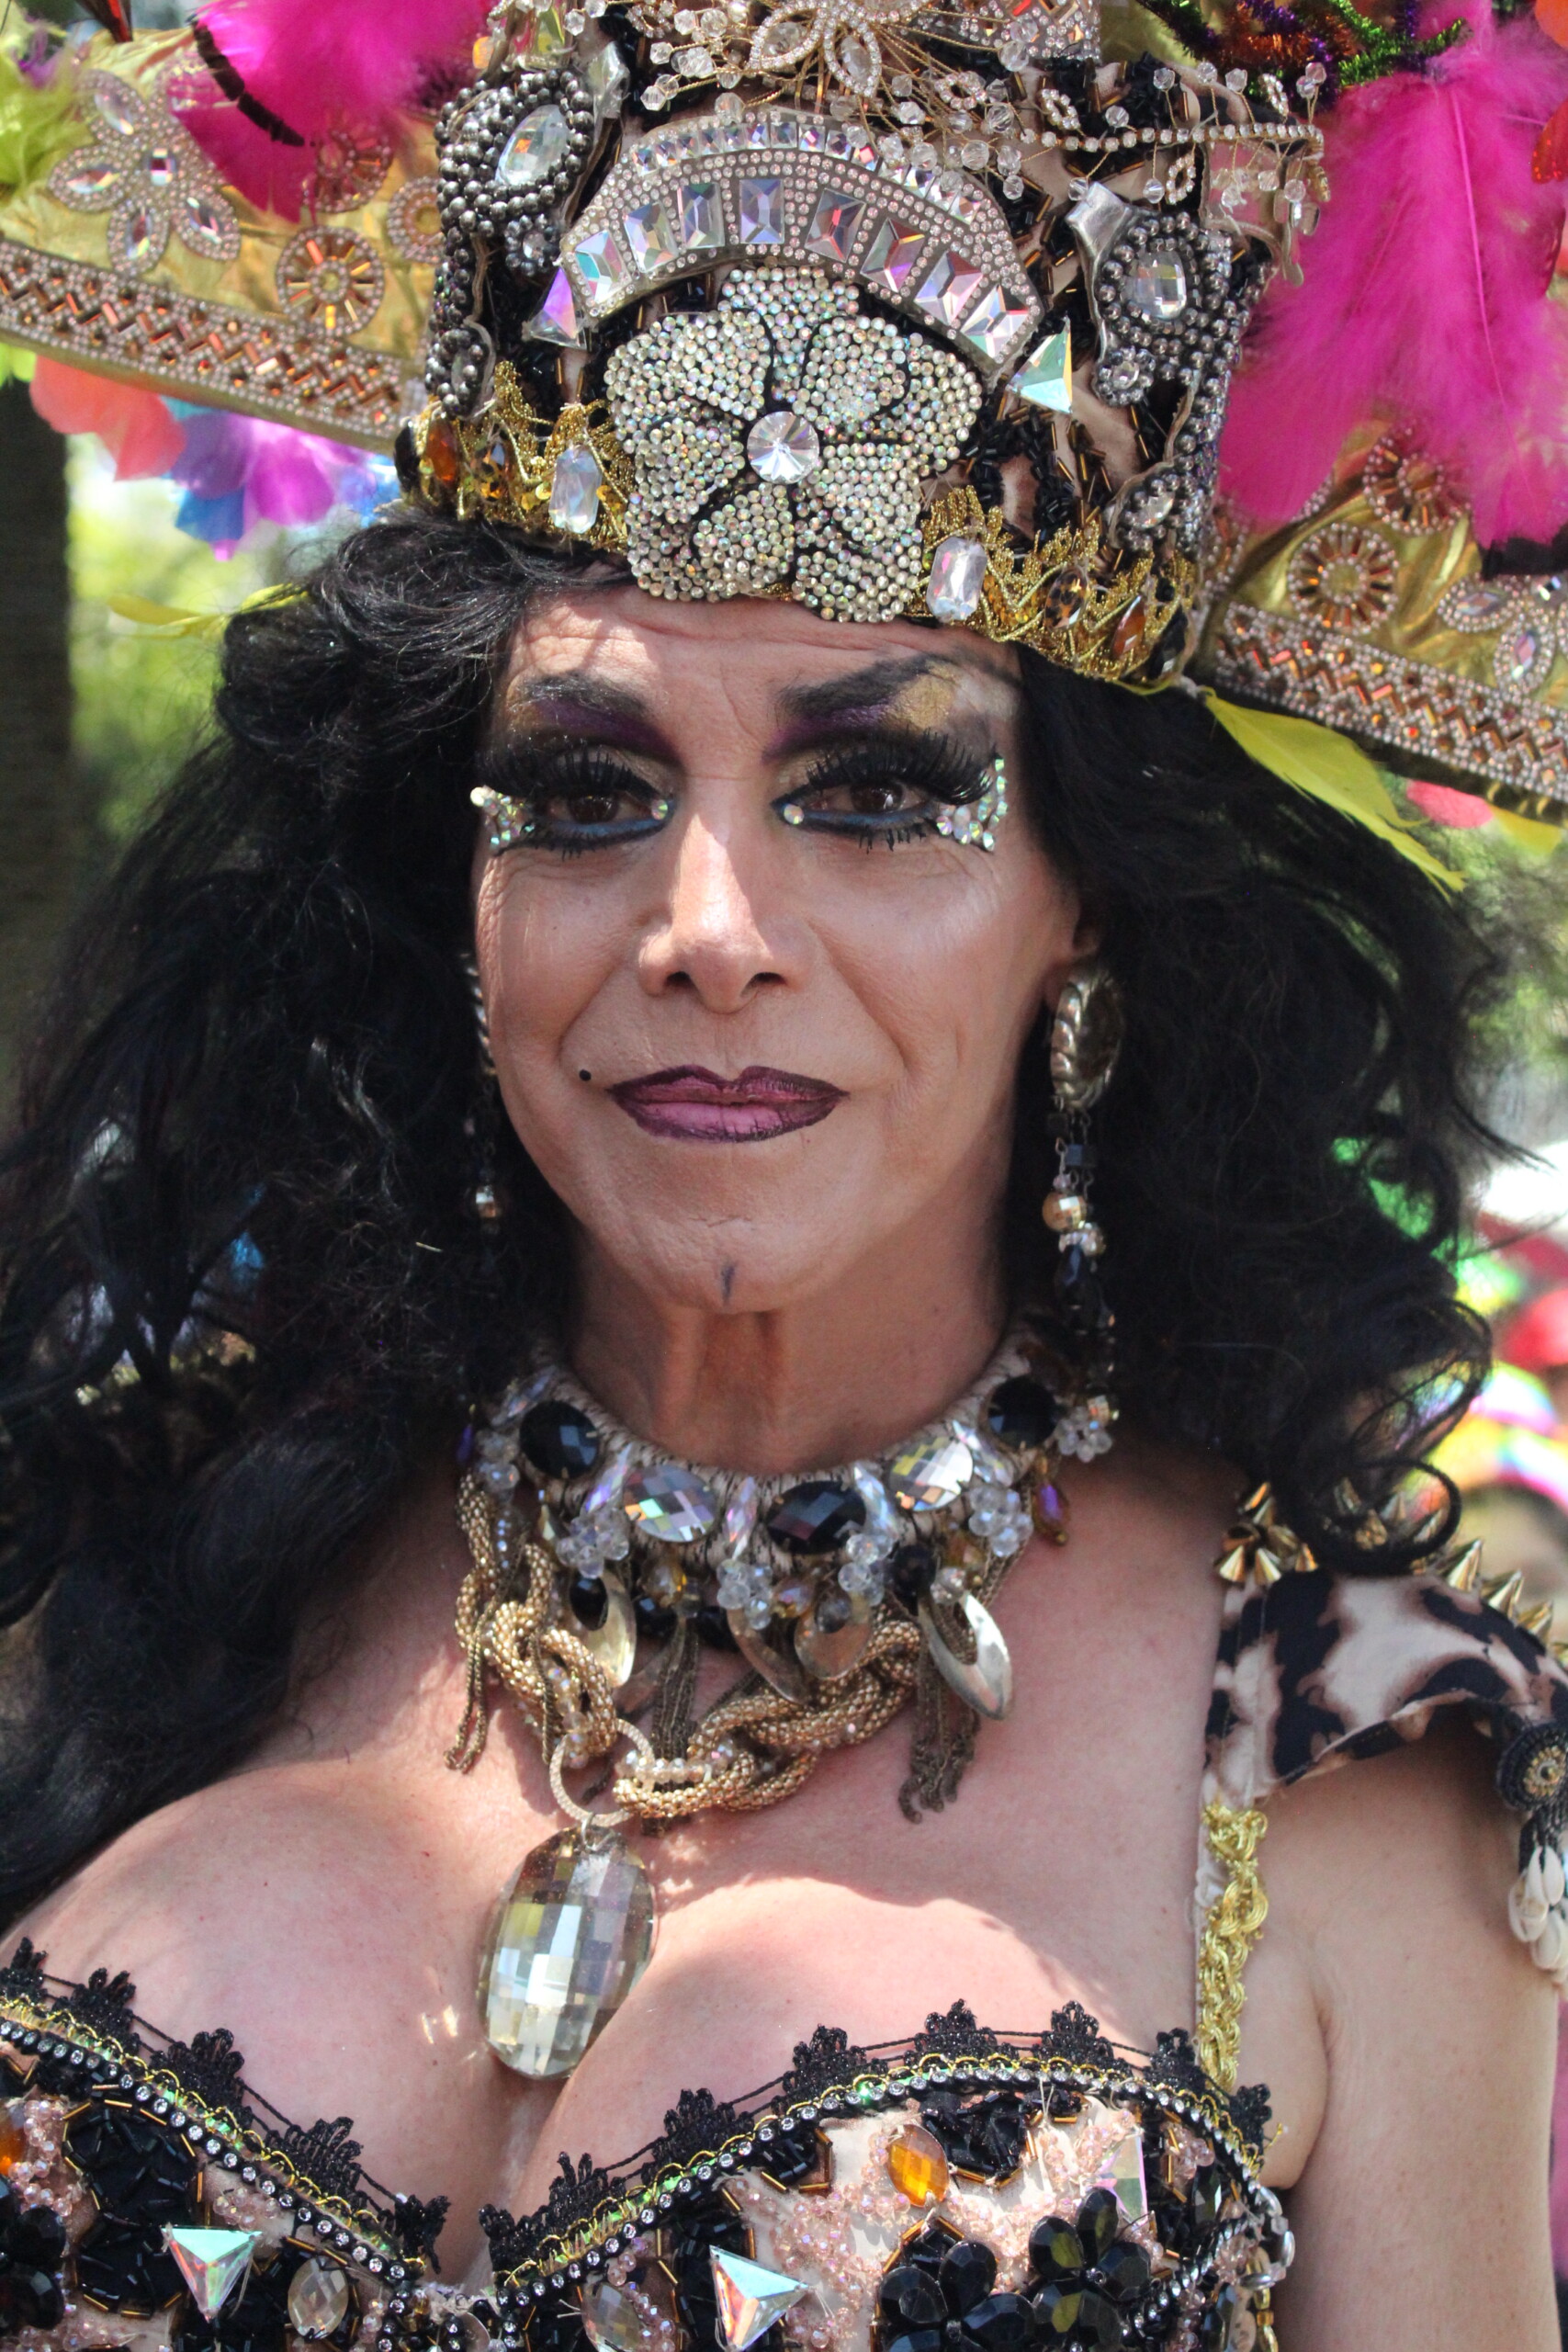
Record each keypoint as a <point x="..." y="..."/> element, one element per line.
<point x="601" y="1568"/>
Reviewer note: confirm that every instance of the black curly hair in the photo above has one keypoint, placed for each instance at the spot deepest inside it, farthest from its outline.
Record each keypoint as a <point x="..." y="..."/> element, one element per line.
<point x="244" y="1288"/>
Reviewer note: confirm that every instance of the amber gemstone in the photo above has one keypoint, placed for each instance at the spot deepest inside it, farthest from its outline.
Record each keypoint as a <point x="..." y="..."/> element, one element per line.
<point x="13" y="2139"/>
<point x="917" y="2167"/>
<point x="1129" y="629"/>
<point x="441" y="453"/>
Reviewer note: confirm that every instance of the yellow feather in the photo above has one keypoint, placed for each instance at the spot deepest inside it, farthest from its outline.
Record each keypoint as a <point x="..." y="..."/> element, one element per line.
<point x="1329" y="768"/>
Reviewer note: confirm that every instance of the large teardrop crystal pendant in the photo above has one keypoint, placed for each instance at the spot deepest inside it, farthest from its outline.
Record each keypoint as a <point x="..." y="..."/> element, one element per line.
<point x="570" y="1937"/>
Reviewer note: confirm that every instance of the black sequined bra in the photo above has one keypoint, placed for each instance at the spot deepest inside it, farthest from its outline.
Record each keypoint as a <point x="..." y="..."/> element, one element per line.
<point x="964" y="2191"/>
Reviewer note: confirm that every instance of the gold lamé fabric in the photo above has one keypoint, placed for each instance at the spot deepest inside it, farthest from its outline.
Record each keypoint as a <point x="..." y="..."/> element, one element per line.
<point x="316" y="323"/>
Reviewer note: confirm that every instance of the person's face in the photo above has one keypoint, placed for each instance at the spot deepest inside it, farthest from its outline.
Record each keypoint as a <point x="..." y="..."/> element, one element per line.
<point x="751" y="1017"/>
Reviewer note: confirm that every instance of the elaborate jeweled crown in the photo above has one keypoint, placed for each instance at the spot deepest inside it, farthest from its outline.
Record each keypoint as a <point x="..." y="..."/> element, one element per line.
<point x="884" y="307"/>
<point x="1375" y="614"/>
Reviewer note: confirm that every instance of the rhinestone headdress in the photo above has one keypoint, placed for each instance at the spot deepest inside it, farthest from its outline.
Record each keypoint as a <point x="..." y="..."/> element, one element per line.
<point x="887" y="308"/>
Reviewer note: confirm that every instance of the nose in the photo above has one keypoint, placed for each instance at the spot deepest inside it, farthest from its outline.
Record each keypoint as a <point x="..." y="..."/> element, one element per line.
<point x="709" y="937"/>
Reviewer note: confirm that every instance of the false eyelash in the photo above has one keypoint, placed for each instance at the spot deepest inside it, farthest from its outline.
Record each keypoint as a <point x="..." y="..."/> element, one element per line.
<point x="534" y="777"/>
<point x="929" y="764"/>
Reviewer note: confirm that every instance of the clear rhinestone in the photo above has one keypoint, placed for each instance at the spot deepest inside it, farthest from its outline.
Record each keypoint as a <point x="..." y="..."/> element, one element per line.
<point x="159" y="166"/>
<point x="574" y="489"/>
<point x="957" y="576"/>
<point x="572" y="1935"/>
<point x="701" y="217"/>
<point x="602" y="266"/>
<point x="750" y="2300"/>
<point x="1122" y="2171"/>
<point x="144" y="239"/>
<point x="1046" y="376"/>
<point x="669" y="1503"/>
<point x="539" y="145"/>
<point x="784" y="447"/>
<point x="318" y="2298"/>
<point x="204" y="222"/>
<point x="118" y="109"/>
<point x="88" y="184"/>
<point x="831" y="231"/>
<point x="605" y="74"/>
<point x="761" y="211"/>
<point x="950" y="291"/>
<point x="892" y="254"/>
<point x="1156" y="286"/>
<point x="612" y="2320"/>
<point x="1517" y="663"/>
<point x="555" y="319"/>
<point x="211" y="2262"/>
<point x="929" y="1476"/>
<point x="650" y="238"/>
<point x="741" y="1516"/>
<point x="993" y="324"/>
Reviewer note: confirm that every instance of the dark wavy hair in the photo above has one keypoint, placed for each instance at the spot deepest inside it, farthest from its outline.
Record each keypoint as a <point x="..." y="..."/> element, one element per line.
<point x="245" y="1291"/>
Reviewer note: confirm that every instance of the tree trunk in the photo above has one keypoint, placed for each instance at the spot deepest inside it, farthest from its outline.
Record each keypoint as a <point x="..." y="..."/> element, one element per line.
<point x="45" y="824"/>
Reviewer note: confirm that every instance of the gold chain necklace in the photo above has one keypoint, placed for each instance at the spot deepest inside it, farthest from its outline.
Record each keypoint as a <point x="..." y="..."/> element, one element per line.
<point x="847" y="1593"/>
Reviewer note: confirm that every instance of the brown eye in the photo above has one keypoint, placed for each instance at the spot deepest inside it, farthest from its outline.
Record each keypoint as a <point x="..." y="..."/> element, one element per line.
<point x="876" y="799"/>
<point x="592" y="808"/>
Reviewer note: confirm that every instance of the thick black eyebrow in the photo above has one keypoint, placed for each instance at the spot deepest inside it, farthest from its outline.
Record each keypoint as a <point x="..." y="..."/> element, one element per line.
<point x="573" y="702"/>
<point x="863" y="696"/>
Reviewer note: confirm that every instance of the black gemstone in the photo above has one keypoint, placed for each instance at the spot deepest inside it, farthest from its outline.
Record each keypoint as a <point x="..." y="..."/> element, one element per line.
<point x="589" y="1601"/>
<point x="910" y="2299"/>
<point x="713" y="1627"/>
<point x="918" y="2339"/>
<point x="1056" y="2308"/>
<point x="816" y="1516"/>
<point x="1100" y="2220"/>
<point x="1098" y="2322"/>
<point x="1079" y="1293"/>
<point x="560" y="1440"/>
<point x="985" y="2138"/>
<point x="1125" y="2270"/>
<point x="655" y="1623"/>
<point x="910" y="1572"/>
<point x="1055" y="2249"/>
<point x="1206" y="2195"/>
<point x="969" y="2274"/>
<point x="1000" y="2323"/>
<point x="1022" y="1414"/>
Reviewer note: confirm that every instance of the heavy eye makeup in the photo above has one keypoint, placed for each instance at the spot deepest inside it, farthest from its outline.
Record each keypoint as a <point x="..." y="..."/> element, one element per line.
<point x="890" y="787"/>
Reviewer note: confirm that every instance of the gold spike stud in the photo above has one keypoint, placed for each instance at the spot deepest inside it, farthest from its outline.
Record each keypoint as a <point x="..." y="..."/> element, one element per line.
<point x="1231" y="1566"/>
<point x="1559" y="1651"/>
<point x="1537" y="1620"/>
<point x="1463" y="1571"/>
<point x="1266" y="1566"/>
<point x="1504" y="1596"/>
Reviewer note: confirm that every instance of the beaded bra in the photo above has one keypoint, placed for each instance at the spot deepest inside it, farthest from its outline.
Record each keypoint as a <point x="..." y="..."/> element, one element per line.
<point x="968" y="2190"/>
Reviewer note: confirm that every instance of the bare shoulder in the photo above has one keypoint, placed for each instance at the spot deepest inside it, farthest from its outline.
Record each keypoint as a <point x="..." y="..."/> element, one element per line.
<point x="1388" y="1885"/>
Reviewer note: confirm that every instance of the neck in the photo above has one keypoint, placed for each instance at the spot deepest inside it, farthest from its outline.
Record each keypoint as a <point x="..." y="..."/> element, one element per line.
<point x="847" y="1371"/>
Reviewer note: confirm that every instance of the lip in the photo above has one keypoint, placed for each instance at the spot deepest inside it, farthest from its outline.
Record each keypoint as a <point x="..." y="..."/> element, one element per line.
<point x="695" y="1105"/>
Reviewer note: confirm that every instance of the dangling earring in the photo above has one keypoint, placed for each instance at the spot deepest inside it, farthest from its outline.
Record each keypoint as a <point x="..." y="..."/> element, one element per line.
<point x="480" y="1123"/>
<point x="1086" y="1038"/>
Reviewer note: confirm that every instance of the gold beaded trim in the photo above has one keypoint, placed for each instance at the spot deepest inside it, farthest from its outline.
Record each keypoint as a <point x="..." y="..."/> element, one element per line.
<point x="499" y="468"/>
<point x="1233" y="1926"/>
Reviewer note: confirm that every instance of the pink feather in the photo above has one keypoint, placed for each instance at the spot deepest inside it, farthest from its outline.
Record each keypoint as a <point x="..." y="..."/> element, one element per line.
<point x="1424" y="299"/>
<point x="322" y="65"/>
